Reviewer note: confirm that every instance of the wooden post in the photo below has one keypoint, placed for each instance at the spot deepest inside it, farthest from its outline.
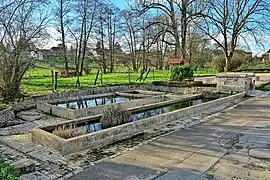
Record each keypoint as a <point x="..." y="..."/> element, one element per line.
<point x="147" y="74"/>
<point x="56" y="74"/>
<point x="52" y="81"/>
<point x="141" y="76"/>
<point x="96" y="78"/>
<point x="153" y="77"/>
<point x="101" y="77"/>
<point x="128" y="76"/>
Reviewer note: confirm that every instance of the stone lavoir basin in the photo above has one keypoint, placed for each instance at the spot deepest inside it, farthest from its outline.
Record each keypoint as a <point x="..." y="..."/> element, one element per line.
<point x="95" y="126"/>
<point x="142" y="118"/>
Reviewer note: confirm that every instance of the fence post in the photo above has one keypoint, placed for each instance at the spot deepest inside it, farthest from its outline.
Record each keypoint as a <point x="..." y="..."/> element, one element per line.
<point x="52" y="81"/>
<point x="101" y="77"/>
<point x="128" y="76"/>
<point x="56" y="74"/>
<point x="96" y="77"/>
<point x="153" y="77"/>
<point x="147" y="74"/>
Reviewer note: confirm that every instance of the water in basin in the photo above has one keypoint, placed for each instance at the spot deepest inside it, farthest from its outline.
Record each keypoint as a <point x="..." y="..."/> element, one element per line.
<point x="80" y="104"/>
<point x="96" y="126"/>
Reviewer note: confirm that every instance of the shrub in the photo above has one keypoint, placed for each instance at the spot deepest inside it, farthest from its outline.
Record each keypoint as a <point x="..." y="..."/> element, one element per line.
<point x="210" y="95"/>
<point x="3" y="106"/>
<point x="66" y="133"/>
<point x="196" y="83"/>
<point x="219" y="64"/>
<point x="179" y="73"/>
<point x="87" y="70"/>
<point x="114" y="116"/>
<point x="7" y="171"/>
<point x="236" y="63"/>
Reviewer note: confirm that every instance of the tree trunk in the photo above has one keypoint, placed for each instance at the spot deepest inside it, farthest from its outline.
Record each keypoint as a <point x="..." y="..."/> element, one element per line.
<point x="11" y="90"/>
<point x="63" y="36"/>
<point x="86" y="36"/>
<point x="228" y="61"/>
<point x="184" y="28"/>
<point x="177" y="50"/>
<point x="103" y="48"/>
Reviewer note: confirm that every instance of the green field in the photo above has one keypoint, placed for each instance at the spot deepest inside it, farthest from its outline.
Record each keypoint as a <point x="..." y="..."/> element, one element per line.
<point x="38" y="80"/>
<point x="258" y="67"/>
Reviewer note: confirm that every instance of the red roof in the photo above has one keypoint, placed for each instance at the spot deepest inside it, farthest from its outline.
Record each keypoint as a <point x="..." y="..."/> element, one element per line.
<point x="176" y="61"/>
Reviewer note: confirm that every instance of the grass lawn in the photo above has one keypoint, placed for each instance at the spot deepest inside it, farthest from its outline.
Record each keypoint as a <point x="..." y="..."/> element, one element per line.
<point x="264" y="87"/>
<point x="3" y="106"/>
<point x="258" y="67"/>
<point x="38" y="80"/>
<point x="8" y="172"/>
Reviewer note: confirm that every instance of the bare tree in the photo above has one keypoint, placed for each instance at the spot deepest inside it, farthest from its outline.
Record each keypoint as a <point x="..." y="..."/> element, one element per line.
<point x="168" y="7"/>
<point x="88" y="12"/>
<point x="129" y="31"/>
<point x="79" y="31"/>
<point x="229" y="21"/>
<point x="61" y="13"/>
<point x="189" y="10"/>
<point x="23" y="25"/>
<point x="4" y="5"/>
<point x="112" y="13"/>
<point x="100" y="46"/>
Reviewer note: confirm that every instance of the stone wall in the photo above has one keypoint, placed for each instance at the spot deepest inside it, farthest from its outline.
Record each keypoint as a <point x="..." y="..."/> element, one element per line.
<point x="7" y="117"/>
<point x="235" y="83"/>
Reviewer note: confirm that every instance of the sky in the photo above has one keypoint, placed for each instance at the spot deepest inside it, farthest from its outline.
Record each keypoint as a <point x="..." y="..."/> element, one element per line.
<point x="119" y="3"/>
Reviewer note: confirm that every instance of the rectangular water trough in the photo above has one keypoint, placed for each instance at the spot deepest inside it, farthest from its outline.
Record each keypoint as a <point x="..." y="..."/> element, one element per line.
<point x="107" y="136"/>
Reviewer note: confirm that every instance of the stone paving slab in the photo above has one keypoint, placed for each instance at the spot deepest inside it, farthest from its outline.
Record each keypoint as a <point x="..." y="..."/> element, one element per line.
<point x="167" y="152"/>
<point x="181" y="174"/>
<point x="31" y="115"/>
<point x="108" y="171"/>
<point x="34" y="176"/>
<point x="246" y="159"/>
<point x="18" y="129"/>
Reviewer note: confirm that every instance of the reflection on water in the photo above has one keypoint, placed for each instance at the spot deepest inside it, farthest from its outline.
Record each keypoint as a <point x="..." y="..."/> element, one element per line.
<point x="80" y="104"/>
<point x="96" y="126"/>
<point x="165" y="109"/>
<point x="88" y="127"/>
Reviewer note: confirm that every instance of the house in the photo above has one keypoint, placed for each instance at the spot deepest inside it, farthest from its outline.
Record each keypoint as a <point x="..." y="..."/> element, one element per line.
<point x="38" y="55"/>
<point x="176" y="61"/>
<point x="266" y="56"/>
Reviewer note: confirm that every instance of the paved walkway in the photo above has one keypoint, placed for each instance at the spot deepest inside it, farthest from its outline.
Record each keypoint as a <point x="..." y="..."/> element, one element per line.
<point x="230" y="145"/>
